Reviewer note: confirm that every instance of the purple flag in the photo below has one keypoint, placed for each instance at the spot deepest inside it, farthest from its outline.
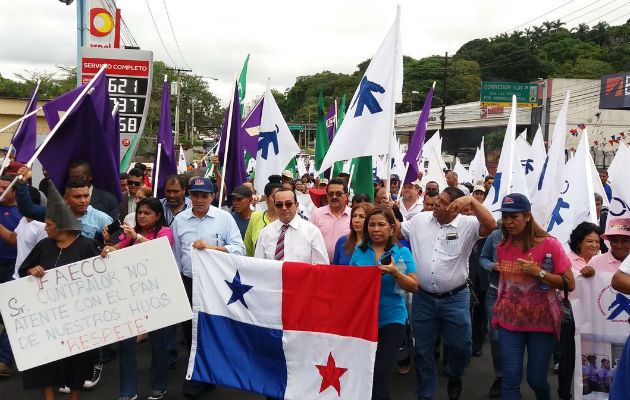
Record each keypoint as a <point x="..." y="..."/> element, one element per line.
<point x="331" y="123"/>
<point x="100" y="98"/>
<point x="250" y="128"/>
<point x="168" y="161"/>
<point x="234" y="170"/>
<point x="25" y="137"/>
<point x="418" y="140"/>
<point x="83" y="137"/>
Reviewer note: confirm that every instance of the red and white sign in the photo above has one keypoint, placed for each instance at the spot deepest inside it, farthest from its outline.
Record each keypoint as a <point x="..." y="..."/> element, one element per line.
<point x="103" y="25"/>
<point x="126" y="142"/>
<point x="115" y="67"/>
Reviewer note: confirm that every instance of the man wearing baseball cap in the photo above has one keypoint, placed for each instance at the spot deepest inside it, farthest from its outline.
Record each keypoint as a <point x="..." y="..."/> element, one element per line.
<point x="204" y="227"/>
<point x="618" y="234"/>
<point x="242" y="199"/>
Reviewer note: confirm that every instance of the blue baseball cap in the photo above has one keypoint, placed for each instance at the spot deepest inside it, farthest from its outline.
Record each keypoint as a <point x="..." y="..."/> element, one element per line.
<point x="515" y="202"/>
<point x="394" y="177"/>
<point x="377" y="180"/>
<point x="202" y="185"/>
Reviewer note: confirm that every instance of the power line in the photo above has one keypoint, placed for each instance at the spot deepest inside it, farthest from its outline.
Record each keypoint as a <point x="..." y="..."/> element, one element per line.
<point x="540" y="16"/>
<point x="158" y="33"/>
<point x="593" y="10"/>
<point x="173" y="32"/>
<point x="607" y="13"/>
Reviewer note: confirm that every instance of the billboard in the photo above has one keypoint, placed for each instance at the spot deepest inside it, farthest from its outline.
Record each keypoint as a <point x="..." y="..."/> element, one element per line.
<point x="615" y="92"/>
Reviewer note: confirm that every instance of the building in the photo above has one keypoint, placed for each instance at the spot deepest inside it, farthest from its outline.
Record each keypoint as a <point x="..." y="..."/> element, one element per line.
<point x="12" y="108"/>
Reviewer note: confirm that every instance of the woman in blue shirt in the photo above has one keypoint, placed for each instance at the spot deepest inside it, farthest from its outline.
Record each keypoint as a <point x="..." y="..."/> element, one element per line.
<point x="346" y="244"/>
<point x="398" y="275"/>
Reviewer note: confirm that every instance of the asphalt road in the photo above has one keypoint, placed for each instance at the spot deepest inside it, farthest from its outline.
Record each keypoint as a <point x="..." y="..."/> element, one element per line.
<point x="476" y="382"/>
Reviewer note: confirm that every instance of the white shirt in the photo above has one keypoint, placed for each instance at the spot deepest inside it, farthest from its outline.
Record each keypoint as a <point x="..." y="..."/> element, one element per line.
<point x="413" y="210"/>
<point x="303" y="242"/>
<point x="441" y="263"/>
<point x="28" y="234"/>
<point x="625" y="266"/>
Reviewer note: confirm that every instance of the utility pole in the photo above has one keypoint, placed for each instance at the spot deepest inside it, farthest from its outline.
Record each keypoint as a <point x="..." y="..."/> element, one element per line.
<point x="443" y="116"/>
<point x="192" y="133"/>
<point x="543" y="117"/>
<point x="179" y="86"/>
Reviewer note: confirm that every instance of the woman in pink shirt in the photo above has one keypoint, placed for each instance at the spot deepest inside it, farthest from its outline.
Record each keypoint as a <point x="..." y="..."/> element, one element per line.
<point x="618" y="234"/>
<point x="527" y="313"/>
<point x="150" y="224"/>
<point x="584" y="243"/>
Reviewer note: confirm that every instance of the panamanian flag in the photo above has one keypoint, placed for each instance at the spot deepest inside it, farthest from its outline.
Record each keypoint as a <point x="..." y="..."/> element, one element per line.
<point x="283" y="329"/>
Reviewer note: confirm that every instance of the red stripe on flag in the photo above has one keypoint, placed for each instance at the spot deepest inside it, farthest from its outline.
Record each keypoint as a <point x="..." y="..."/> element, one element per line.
<point x="337" y="299"/>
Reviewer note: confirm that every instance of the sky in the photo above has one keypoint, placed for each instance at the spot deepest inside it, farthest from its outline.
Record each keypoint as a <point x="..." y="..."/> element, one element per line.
<point x="286" y="39"/>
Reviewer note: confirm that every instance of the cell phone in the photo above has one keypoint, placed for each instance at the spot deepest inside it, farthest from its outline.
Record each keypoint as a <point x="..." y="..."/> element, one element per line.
<point x="386" y="259"/>
<point x="113" y="227"/>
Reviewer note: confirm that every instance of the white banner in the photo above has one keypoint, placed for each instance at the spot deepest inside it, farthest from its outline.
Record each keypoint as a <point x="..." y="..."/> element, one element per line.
<point x="88" y="304"/>
<point x="601" y="329"/>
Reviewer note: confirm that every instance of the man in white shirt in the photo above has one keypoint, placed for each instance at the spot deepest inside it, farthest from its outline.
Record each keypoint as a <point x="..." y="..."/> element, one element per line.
<point x="441" y="242"/>
<point x="291" y="238"/>
<point x="411" y="203"/>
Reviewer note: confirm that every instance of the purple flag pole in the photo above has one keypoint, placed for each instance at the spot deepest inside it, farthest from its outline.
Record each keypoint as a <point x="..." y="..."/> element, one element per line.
<point x="17" y="121"/>
<point x="157" y="172"/>
<point x="30" y="162"/>
<point x="227" y="146"/>
<point x="415" y="147"/>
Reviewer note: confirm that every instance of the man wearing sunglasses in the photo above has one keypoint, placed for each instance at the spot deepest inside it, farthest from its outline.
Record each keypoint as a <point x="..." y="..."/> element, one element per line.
<point x="333" y="220"/>
<point x="290" y="238"/>
<point x="135" y="179"/>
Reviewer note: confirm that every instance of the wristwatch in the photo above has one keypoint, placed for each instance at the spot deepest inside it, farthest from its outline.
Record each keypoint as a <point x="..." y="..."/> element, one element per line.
<point x="541" y="274"/>
<point x="138" y="236"/>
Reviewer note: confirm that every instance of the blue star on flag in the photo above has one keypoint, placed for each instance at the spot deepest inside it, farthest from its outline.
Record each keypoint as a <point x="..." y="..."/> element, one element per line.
<point x="238" y="290"/>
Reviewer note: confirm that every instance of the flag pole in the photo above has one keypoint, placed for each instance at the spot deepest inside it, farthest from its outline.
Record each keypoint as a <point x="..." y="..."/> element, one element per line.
<point x="157" y="169"/>
<point x="589" y="182"/>
<point x="389" y="144"/>
<point x="21" y="120"/>
<point x="403" y="181"/>
<point x="511" y="155"/>
<point x="227" y="145"/>
<point x="17" y="121"/>
<point x="7" y="159"/>
<point x="350" y="179"/>
<point x="86" y="89"/>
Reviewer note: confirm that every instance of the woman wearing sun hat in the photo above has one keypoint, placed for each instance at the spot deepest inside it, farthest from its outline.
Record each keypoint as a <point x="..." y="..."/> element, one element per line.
<point x="618" y="234"/>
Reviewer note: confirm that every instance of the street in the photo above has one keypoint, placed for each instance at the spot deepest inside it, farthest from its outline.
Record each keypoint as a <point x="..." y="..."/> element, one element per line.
<point x="476" y="382"/>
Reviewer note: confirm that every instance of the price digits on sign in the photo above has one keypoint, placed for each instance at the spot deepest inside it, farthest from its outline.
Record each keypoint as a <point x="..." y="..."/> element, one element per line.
<point x="129" y="124"/>
<point x="128" y="105"/>
<point x="127" y="85"/>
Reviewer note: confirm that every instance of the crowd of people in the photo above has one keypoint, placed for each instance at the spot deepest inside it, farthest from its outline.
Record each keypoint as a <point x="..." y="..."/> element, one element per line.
<point x="450" y="273"/>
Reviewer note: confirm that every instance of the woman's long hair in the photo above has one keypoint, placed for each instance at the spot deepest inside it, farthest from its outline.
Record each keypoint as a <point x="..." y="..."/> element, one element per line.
<point x="156" y="206"/>
<point x="389" y="216"/>
<point x="351" y="243"/>
<point x="531" y="232"/>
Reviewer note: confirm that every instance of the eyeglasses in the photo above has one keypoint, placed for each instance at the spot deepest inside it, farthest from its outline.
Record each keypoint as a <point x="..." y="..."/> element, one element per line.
<point x="134" y="183"/>
<point x="287" y="204"/>
<point x="335" y="194"/>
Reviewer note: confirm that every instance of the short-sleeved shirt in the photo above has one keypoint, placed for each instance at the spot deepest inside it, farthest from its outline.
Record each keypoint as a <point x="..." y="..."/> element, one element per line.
<point x="577" y="262"/>
<point x="521" y="304"/>
<point x="93" y="221"/>
<point x="416" y="208"/>
<point x="605" y="262"/>
<point x="257" y="221"/>
<point x="625" y="266"/>
<point x="341" y="256"/>
<point x="9" y="218"/>
<point x="441" y="251"/>
<point x="241" y="223"/>
<point x="28" y="235"/>
<point x="150" y="235"/>
<point x="391" y="305"/>
<point x="331" y="227"/>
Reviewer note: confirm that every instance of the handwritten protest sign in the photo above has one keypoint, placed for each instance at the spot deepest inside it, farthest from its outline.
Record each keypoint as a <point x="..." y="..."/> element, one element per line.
<point x="94" y="302"/>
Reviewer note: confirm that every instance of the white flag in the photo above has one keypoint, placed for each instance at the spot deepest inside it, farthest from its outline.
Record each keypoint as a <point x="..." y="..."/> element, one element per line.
<point x="463" y="175"/>
<point x="550" y="177"/>
<point x="435" y="169"/>
<point x="427" y="147"/>
<point x="276" y="146"/>
<point x="379" y="168"/>
<point x="301" y="167"/>
<point x="369" y="120"/>
<point x="618" y="174"/>
<point x="181" y="162"/>
<point x="574" y="201"/>
<point x="523" y="146"/>
<point x="510" y="177"/>
<point x="478" y="168"/>
<point x="536" y="160"/>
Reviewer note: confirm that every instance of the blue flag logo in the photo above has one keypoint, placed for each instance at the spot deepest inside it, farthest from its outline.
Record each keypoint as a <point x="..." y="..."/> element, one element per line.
<point x="267" y="138"/>
<point x="365" y="98"/>
<point x="621" y="303"/>
<point x="624" y="207"/>
<point x="527" y="164"/>
<point x="556" y="217"/>
<point x="496" y="185"/>
<point x="542" y="174"/>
